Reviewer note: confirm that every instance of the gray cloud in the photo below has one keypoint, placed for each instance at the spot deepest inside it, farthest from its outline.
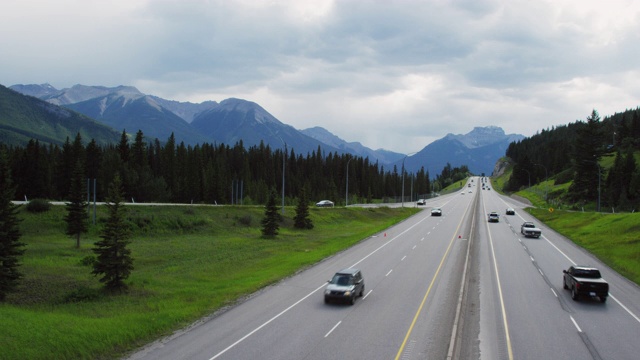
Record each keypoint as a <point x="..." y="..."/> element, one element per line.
<point x="390" y="74"/>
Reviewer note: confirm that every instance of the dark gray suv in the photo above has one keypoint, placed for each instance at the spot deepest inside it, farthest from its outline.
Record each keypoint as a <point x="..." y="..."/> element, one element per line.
<point x="346" y="285"/>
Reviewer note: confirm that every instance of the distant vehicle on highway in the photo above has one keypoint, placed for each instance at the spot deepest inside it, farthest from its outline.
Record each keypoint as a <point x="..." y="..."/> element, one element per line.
<point x="325" y="203"/>
<point x="346" y="285"/>
<point x="436" y="212"/>
<point x="494" y="217"/>
<point x="510" y="211"/>
<point x="422" y="202"/>
<point x="585" y="281"/>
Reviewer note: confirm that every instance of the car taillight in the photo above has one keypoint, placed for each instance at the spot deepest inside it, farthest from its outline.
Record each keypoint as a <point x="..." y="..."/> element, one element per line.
<point x="578" y="285"/>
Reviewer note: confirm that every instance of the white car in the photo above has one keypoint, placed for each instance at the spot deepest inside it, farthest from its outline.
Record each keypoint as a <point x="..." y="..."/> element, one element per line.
<point x="324" y="203"/>
<point x="436" y="212"/>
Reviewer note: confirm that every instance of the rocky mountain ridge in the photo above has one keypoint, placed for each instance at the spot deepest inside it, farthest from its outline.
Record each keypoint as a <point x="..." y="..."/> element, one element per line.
<point x="233" y="120"/>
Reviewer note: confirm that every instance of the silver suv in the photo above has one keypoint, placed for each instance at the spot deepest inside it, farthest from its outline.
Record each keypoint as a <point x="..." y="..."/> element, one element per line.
<point x="346" y="285"/>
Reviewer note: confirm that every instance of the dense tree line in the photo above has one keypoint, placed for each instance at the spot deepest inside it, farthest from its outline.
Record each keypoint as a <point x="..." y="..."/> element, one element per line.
<point x="576" y="152"/>
<point x="152" y="171"/>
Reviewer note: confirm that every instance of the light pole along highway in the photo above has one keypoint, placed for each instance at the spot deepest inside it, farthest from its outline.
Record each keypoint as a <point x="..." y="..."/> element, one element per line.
<point x="403" y="159"/>
<point x="346" y="197"/>
<point x="284" y="158"/>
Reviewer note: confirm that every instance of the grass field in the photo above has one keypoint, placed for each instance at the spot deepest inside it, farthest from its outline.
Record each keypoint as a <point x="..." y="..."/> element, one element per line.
<point x="189" y="262"/>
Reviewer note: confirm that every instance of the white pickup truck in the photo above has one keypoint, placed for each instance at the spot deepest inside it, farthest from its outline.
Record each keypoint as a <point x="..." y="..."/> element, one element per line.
<point x="529" y="229"/>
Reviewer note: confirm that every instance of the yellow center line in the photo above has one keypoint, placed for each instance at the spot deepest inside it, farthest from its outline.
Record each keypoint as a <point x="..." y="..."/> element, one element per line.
<point x="426" y="295"/>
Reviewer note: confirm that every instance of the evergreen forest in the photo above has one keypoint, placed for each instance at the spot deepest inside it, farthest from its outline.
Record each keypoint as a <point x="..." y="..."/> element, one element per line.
<point x="152" y="171"/>
<point x="597" y="158"/>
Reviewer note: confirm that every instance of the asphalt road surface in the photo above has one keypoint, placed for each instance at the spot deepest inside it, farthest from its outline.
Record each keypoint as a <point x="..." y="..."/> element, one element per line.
<point x="450" y="287"/>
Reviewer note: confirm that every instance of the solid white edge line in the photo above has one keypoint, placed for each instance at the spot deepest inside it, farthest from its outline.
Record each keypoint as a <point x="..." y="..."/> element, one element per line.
<point x="573" y="263"/>
<point x="266" y="323"/>
<point x="333" y="328"/>
<point x="624" y="307"/>
<point x="554" y="292"/>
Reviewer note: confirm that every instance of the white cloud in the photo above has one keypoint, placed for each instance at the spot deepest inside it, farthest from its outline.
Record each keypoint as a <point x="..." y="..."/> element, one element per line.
<point x="392" y="75"/>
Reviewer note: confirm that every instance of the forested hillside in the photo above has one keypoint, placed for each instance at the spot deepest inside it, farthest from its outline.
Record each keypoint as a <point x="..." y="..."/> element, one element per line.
<point x="213" y="174"/>
<point x="24" y="117"/>
<point x="599" y="158"/>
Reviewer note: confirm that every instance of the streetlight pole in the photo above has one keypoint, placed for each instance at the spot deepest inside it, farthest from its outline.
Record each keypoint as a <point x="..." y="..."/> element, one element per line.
<point x="411" y="195"/>
<point x="403" y="179"/>
<point x="403" y="159"/>
<point x="346" y="196"/>
<point x="599" y="171"/>
<point x="284" y="157"/>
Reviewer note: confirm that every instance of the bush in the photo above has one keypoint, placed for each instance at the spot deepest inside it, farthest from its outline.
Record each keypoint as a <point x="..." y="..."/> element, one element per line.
<point x="245" y="220"/>
<point x="82" y="294"/>
<point x="38" y="206"/>
<point x="88" y="260"/>
<point x="564" y="177"/>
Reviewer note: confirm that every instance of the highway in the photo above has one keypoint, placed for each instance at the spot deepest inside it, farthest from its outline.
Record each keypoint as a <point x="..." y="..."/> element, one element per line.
<point x="450" y="287"/>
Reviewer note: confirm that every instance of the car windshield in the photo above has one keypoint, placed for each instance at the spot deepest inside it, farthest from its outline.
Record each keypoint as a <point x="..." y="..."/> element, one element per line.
<point x="341" y="280"/>
<point x="529" y="225"/>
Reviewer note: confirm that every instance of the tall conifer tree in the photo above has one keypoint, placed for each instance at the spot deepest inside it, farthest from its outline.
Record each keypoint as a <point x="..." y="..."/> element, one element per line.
<point x="302" y="220"/>
<point x="77" y="215"/>
<point x="271" y="218"/>
<point x="587" y="151"/>
<point x="114" y="260"/>
<point x="10" y="246"/>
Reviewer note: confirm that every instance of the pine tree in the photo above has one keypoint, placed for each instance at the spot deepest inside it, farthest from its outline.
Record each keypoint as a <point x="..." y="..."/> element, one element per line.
<point x="270" y="225"/>
<point x="10" y="246"/>
<point x="114" y="260"/>
<point x="301" y="220"/>
<point x="587" y="151"/>
<point x="77" y="216"/>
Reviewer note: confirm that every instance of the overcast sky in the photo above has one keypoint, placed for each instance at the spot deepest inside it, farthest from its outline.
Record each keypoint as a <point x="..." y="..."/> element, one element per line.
<point x="390" y="74"/>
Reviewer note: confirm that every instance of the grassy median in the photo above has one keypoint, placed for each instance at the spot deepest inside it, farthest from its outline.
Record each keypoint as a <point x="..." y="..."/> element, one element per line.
<point x="189" y="262"/>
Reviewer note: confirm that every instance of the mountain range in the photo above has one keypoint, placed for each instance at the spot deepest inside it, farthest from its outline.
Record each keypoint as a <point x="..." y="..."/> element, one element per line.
<point x="233" y="120"/>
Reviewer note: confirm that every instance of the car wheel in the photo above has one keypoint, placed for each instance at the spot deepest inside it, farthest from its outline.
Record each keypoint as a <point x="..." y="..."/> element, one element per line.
<point x="603" y="299"/>
<point x="362" y="292"/>
<point x="352" y="300"/>
<point x="574" y="294"/>
<point x="564" y="284"/>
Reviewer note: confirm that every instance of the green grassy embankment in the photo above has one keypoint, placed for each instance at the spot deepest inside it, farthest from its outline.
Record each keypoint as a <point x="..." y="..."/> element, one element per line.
<point x="613" y="238"/>
<point x="189" y="262"/>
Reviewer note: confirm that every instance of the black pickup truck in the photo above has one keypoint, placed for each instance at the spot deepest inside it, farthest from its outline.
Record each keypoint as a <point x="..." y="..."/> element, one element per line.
<point x="585" y="280"/>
